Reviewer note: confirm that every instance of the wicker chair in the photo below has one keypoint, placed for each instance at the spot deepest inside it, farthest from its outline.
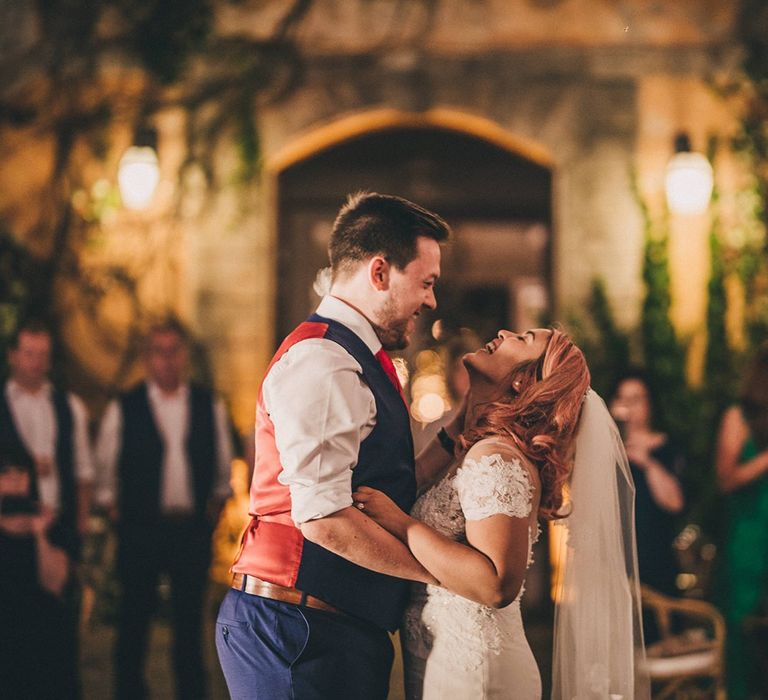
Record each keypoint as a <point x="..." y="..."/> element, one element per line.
<point x="690" y="663"/>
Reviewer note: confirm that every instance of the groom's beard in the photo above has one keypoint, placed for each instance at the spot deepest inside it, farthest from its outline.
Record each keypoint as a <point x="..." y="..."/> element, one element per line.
<point x="395" y="336"/>
<point x="394" y="333"/>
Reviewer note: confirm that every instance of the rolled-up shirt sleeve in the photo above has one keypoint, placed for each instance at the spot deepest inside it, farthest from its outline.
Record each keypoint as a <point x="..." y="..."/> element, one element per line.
<point x="321" y="410"/>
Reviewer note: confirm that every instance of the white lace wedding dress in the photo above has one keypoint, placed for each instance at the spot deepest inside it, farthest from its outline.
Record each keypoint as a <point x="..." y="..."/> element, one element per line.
<point x="454" y="648"/>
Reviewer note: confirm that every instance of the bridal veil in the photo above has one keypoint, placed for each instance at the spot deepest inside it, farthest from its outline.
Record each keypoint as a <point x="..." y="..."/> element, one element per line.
<point x="598" y="641"/>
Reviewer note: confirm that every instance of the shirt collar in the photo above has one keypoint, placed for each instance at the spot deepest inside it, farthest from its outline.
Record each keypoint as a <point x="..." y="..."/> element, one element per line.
<point x="338" y="310"/>
<point x="14" y="390"/>
<point x="157" y="394"/>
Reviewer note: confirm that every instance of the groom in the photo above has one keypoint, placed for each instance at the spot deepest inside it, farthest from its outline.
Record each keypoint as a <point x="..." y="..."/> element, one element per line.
<point x="317" y="584"/>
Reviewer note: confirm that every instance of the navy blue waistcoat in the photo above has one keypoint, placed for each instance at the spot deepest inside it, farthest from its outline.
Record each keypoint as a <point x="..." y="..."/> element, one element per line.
<point x="385" y="462"/>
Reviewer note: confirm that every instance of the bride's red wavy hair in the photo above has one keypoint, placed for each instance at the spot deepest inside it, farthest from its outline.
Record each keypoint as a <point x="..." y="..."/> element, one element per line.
<point x="541" y="416"/>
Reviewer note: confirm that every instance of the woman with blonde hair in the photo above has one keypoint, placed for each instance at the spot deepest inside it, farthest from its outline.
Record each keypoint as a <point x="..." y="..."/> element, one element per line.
<point x="535" y="443"/>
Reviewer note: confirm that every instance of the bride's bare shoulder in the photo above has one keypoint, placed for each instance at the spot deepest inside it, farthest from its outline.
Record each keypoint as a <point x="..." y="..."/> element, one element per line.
<point x="495" y="445"/>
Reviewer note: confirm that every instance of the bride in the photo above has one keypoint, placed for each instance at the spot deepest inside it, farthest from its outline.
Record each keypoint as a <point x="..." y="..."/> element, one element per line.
<point x="532" y="430"/>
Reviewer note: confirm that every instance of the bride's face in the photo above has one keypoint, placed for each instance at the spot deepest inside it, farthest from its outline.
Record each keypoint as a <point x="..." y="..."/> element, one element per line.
<point x="495" y="361"/>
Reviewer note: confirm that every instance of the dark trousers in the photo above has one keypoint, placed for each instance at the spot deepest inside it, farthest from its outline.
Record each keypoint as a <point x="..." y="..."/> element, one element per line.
<point x="271" y="650"/>
<point x="38" y="648"/>
<point x="182" y="549"/>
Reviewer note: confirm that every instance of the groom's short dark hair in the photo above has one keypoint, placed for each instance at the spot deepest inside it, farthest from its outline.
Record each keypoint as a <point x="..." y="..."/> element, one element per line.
<point x="379" y="224"/>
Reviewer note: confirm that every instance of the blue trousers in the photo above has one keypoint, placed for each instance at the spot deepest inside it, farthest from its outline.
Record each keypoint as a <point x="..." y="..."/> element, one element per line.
<point x="270" y="650"/>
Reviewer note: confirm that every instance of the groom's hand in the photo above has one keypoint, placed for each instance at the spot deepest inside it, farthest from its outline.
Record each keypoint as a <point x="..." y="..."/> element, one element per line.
<point x="383" y="510"/>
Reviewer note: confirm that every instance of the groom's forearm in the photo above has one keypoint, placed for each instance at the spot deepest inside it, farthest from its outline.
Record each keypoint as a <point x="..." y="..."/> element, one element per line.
<point x="357" y="538"/>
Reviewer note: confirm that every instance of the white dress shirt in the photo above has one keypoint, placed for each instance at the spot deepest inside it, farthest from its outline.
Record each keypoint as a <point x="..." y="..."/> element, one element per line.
<point x="171" y="414"/>
<point x="34" y="417"/>
<point x="321" y="410"/>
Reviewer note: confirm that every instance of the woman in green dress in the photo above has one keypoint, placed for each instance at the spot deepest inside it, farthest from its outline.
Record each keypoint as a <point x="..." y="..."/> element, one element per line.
<point x="742" y="473"/>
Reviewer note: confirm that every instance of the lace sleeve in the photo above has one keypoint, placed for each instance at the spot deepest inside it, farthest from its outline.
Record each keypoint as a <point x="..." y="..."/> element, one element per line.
<point x="489" y="484"/>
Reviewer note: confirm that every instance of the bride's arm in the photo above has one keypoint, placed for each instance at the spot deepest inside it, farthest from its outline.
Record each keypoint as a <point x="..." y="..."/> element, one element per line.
<point x="489" y="568"/>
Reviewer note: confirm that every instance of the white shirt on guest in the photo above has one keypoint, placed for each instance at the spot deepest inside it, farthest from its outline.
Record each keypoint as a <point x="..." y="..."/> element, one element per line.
<point x="321" y="410"/>
<point x="34" y="417"/>
<point x="171" y="414"/>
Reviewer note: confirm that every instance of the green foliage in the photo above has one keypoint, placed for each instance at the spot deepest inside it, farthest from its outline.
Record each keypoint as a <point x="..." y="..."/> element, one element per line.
<point x="663" y="354"/>
<point x="691" y="416"/>
<point x="21" y="282"/>
<point x="605" y="346"/>
<point x="752" y="143"/>
<point x="717" y="392"/>
<point x="166" y="33"/>
<point x="248" y="142"/>
<point x="161" y="34"/>
<point x="718" y="365"/>
<point x="688" y="415"/>
<point x="749" y="259"/>
<point x="719" y="375"/>
<point x="76" y="107"/>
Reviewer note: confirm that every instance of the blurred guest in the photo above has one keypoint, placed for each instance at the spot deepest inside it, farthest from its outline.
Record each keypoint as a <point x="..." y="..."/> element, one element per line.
<point x="742" y="465"/>
<point x="657" y="465"/>
<point x="38" y="650"/>
<point x="48" y="429"/>
<point x="48" y="425"/>
<point x="164" y="449"/>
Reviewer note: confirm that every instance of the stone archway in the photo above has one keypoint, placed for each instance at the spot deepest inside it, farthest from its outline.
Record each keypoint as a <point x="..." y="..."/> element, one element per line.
<point x="493" y="188"/>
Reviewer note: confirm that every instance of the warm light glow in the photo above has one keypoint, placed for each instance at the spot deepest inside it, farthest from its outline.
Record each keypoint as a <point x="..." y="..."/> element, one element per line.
<point x="428" y="383"/>
<point x="558" y="552"/>
<point x="138" y="175"/>
<point x="689" y="183"/>
<point x="430" y="407"/>
<point x="685" y="582"/>
<point x="429" y="393"/>
<point x="427" y="361"/>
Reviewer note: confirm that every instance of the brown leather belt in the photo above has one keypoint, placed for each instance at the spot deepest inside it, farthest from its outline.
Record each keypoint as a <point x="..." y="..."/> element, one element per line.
<point x="264" y="589"/>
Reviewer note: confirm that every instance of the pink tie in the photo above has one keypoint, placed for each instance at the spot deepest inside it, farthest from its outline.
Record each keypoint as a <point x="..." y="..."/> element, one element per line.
<point x="386" y="363"/>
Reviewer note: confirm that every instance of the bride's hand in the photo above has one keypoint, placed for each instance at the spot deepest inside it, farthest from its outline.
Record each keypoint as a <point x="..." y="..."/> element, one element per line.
<point x="381" y="508"/>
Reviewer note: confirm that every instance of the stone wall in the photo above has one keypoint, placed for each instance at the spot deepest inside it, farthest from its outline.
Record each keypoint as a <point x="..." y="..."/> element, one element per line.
<point x="594" y="90"/>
